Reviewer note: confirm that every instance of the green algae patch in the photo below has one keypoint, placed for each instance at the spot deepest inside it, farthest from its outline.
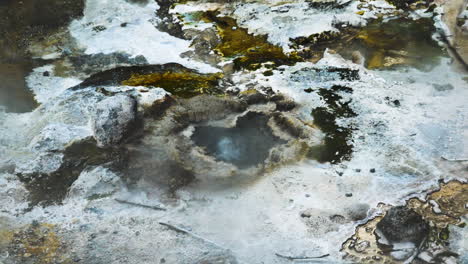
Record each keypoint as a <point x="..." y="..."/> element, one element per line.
<point x="247" y="50"/>
<point x="182" y="84"/>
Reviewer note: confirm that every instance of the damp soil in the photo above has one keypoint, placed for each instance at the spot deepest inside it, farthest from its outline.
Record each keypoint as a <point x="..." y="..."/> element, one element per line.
<point x="245" y="145"/>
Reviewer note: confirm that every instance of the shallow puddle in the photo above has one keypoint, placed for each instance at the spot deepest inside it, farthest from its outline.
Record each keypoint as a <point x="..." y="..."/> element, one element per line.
<point x="15" y="95"/>
<point x="397" y="42"/>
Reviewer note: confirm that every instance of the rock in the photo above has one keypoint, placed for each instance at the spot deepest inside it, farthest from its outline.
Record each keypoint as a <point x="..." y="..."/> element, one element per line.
<point x="98" y="182"/>
<point x="285" y="105"/>
<point x="402" y="224"/>
<point x="253" y="97"/>
<point x="95" y="63"/>
<point x="55" y="137"/>
<point x="45" y="163"/>
<point x="113" y="119"/>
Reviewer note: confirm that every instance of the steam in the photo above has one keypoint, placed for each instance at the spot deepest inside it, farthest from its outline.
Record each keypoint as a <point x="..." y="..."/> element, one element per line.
<point x="228" y="150"/>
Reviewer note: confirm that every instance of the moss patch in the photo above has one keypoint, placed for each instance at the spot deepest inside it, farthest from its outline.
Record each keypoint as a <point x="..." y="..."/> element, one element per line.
<point x="182" y="84"/>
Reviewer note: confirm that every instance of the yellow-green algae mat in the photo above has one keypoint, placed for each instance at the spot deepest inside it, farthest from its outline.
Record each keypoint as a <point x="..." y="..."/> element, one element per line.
<point x="248" y="51"/>
<point x="451" y="199"/>
<point x="182" y="84"/>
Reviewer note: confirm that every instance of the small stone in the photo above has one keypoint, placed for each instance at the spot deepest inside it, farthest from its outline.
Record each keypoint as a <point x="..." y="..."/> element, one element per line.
<point x="306" y="215"/>
<point x="124" y="24"/>
<point x="99" y="28"/>
<point x="372" y="170"/>
<point x="340" y="173"/>
<point x="349" y="195"/>
<point x="396" y="103"/>
<point x="361" y="246"/>
<point x="307" y="195"/>
<point x="46" y="74"/>
<point x="357" y="170"/>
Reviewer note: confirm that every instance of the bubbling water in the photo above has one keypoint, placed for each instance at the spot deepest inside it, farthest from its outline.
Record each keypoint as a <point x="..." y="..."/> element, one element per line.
<point x="245" y="145"/>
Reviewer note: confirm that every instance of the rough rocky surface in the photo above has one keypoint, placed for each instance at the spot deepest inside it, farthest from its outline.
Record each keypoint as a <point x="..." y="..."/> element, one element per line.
<point x="114" y="118"/>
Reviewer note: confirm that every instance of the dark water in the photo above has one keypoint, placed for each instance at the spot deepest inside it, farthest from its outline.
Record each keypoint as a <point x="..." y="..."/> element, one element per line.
<point x="14" y="93"/>
<point x="245" y="145"/>
<point x="23" y="22"/>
